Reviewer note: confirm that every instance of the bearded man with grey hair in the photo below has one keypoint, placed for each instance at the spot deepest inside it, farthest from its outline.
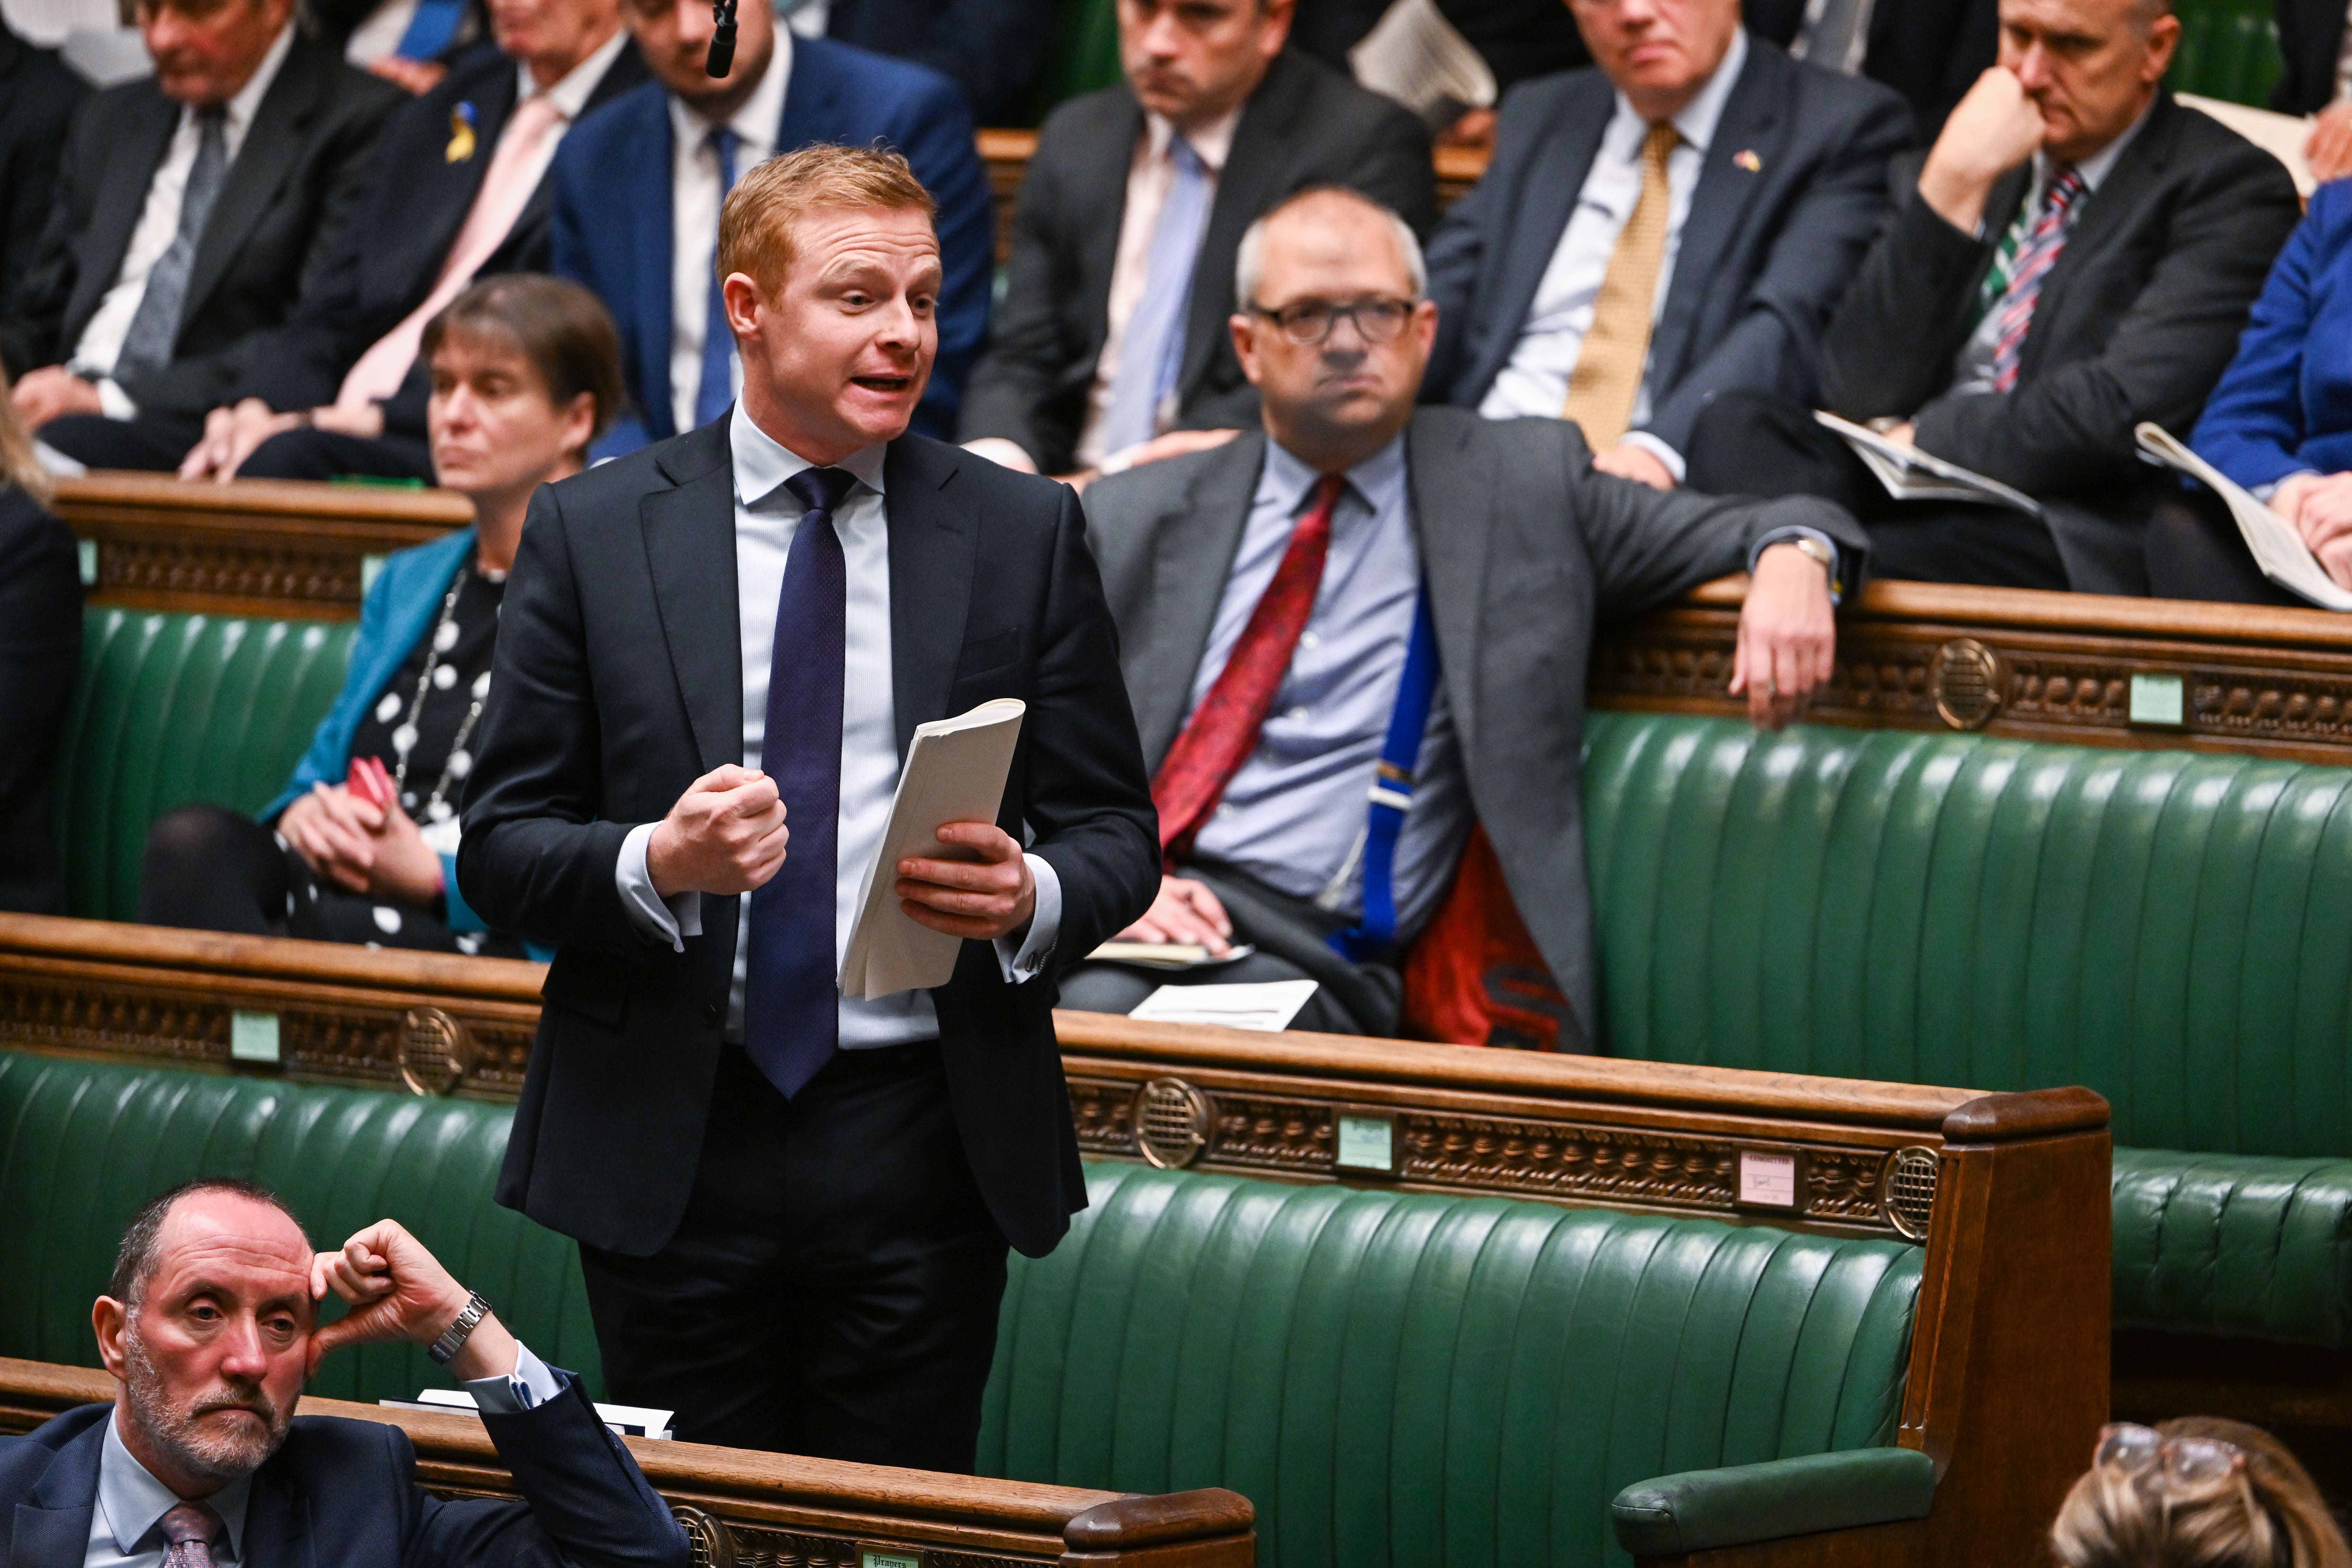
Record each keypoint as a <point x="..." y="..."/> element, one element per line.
<point x="210" y="1328"/>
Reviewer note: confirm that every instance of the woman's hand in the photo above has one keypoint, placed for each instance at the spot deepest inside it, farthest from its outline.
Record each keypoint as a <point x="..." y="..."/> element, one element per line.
<point x="362" y="847"/>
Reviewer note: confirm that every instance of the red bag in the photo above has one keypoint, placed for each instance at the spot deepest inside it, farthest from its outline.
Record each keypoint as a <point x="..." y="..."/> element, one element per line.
<point x="1473" y="977"/>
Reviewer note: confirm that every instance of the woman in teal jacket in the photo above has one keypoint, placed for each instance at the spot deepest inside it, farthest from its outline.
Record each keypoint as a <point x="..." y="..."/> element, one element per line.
<point x="362" y="845"/>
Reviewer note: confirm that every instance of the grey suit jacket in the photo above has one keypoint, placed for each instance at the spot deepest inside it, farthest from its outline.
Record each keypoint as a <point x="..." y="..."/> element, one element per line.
<point x="1525" y="549"/>
<point x="1791" y="193"/>
<point x="1305" y="125"/>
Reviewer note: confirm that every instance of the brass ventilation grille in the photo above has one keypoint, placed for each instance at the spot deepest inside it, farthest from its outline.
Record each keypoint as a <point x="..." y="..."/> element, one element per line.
<point x="706" y="1538"/>
<point x="437" y="1051"/>
<point x="1172" y="1122"/>
<point x="1969" y="682"/>
<point x="1907" y="1192"/>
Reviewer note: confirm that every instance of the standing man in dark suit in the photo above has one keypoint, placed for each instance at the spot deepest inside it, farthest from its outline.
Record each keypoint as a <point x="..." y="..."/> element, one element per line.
<point x="210" y="1326"/>
<point x="1673" y="225"/>
<point x="1112" y="333"/>
<point x="792" y="1205"/>
<point x="2077" y="253"/>
<point x="456" y="189"/>
<point x="638" y="190"/>
<point x="193" y="208"/>
<point x="1368" y="602"/>
<point x="38" y="95"/>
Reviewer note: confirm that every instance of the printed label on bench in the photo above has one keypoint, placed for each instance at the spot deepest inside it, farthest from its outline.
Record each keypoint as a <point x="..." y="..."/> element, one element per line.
<point x="86" y="552"/>
<point x="369" y="566"/>
<point x="1767" y="1180"/>
<point x="889" y="1557"/>
<point x="2156" y="700"/>
<point x="252" y="1037"/>
<point x="1367" y="1143"/>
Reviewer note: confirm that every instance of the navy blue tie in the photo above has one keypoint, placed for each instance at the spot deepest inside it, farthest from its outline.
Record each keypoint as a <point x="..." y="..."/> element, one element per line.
<point x="791" y="1022"/>
<point x="717" y="388"/>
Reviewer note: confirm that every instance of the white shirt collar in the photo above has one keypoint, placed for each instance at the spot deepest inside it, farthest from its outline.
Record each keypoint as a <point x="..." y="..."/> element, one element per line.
<point x="1700" y="116"/>
<point x="570" y="92"/>
<point x="763" y="463"/>
<point x="1379" y="480"/>
<point x="1212" y="142"/>
<point x="759" y="120"/>
<point x="132" y="1501"/>
<point x="247" y="101"/>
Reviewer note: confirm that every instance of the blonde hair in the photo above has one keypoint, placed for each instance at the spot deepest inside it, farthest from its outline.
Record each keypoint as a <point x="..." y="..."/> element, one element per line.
<point x="18" y="467"/>
<point x="755" y="227"/>
<point x="2267" y="1514"/>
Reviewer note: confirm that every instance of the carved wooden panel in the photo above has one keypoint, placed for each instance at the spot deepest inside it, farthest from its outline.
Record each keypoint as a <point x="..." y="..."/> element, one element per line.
<point x="148" y="571"/>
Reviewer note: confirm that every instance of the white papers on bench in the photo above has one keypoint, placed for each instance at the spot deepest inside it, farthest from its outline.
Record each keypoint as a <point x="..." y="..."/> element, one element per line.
<point x="2277" y="548"/>
<point x="1910" y="474"/>
<point x="628" y="1420"/>
<point x="955" y="773"/>
<point x="1267" y="1004"/>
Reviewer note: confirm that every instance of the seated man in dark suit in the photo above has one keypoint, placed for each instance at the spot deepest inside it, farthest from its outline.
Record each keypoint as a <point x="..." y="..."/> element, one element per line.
<point x="193" y="208"/>
<point x="38" y="95"/>
<point x="639" y="187"/>
<point x="995" y="49"/>
<point x="1673" y="225"/>
<point x="1113" y="327"/>
<point x="210" y="1328"/>
<point x="456" y="189"/>
<point x="2077" y="253"/>
<point x="1368" y="602"/>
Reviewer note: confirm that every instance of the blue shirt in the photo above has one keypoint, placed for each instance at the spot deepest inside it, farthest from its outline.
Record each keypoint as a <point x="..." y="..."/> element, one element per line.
<point x="1293" y="817"/>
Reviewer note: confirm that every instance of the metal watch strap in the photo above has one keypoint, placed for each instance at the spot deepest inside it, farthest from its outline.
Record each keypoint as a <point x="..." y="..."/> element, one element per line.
<point x="453" y="1338"/>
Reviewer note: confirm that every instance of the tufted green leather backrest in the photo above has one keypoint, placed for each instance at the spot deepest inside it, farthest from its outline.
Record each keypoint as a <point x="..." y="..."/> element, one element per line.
<point x="2168" y="928"/>
<point x="1412" y="1379"/>
<point x="83" y="1144"/>
<point x="173" y="709"/>
<point x="2229" y="49"/>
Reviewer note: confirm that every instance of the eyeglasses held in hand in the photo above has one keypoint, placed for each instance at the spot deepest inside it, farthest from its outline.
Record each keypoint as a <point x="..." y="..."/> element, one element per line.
<point x="1308" y="321"/>
<point x="2193" y="1461"/>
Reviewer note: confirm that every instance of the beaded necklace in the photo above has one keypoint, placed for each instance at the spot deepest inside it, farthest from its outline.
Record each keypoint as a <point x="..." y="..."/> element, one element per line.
<point x="403" y="739"/>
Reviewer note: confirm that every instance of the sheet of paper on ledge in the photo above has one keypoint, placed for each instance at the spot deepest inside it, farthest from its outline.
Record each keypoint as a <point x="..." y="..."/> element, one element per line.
<point x="1267" y="1004"/>
<point x="628" y="1420"/>
<point x="955" y="773"/>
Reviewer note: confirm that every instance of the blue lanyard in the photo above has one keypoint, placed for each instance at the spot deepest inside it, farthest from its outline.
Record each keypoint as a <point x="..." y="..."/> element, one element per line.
<point x="1391" y="794"/>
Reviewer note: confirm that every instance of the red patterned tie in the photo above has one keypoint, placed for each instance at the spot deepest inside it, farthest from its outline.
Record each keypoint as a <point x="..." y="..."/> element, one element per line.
<point x="1223" y="729"/>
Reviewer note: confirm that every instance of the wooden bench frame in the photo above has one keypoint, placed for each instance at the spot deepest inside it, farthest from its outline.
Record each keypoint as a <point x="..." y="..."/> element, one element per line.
<point x="2007" y="1380"/>
<point x="771" y="1507"/>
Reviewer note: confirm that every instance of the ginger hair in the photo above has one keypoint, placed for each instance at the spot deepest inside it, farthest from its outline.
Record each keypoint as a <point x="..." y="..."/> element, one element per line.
<point x="756" y="227"/>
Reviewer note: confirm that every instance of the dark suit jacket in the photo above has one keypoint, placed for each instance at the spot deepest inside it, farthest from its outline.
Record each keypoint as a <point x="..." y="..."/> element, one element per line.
<point x="1931" y="51"/>
<point x="2311" y="38"/>
<point x="619" y="682"/>
<point x="1305" y="125"/>
<point x="613" y="211"/>
<point x="291" y="196"/>
<point x="38" y="95"/>
<point x="416" y="200"/>
<point x="1525" y="549"/>
<point x="40" y="646"/>
<point x="2135" y="320"/>
<point x="994" y="49"/>
<point x="1765" y="251"/>
<point x="343" y="1494"/>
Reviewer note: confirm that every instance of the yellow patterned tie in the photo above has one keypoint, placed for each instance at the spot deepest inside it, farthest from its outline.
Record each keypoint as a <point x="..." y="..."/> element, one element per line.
<point x="1608" y="373"/>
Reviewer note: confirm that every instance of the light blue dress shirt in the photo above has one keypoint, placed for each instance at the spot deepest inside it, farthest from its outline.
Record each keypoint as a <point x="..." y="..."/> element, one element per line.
<point x="1293" y="817"/>
<point x="767" y="515"/>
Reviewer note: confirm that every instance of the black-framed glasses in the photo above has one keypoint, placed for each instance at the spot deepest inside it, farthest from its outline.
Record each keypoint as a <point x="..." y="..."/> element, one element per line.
<point x="1378" y="319"/>
<point x="2131" y="1449"/>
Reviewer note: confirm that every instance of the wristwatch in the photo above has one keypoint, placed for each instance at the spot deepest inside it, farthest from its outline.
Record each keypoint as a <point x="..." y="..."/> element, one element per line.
<point x="453" y="1338"/>
<point x="1813" y="549"/>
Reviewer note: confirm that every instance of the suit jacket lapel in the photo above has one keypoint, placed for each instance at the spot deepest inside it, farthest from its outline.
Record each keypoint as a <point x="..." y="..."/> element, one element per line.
<point x="1193" y="548"/>
<point x="272" y="146"/>
<point x="647" y="167"/>
<point x="932" y="546"/>
<point x="277" y="1524"/>
<point x="689" y="535"/>
<point x="810" y="95"/>
<point x="1547" y="199"/>
<point x="1101" y="188"/>
<point x="1750" y="122"/>
<point x="51" y="1530"/>
<point x="1452" y="507"/>
<point x="130" y="167"/>
<point x="2106" y="214"/>
<point x="1246" y="187"/>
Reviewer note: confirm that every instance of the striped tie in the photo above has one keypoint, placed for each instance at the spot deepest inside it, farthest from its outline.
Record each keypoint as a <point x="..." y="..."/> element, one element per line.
<point x="2036" y="253"/>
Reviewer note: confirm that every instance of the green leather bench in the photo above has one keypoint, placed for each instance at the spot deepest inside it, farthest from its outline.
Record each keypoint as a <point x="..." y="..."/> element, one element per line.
<point x="1388" y="1376"/>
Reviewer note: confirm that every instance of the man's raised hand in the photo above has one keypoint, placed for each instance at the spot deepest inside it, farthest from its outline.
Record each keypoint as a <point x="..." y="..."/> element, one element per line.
<point x="398" y="1290"/>
<point x="1993" y="130"/>
<point x="726" y="834"/>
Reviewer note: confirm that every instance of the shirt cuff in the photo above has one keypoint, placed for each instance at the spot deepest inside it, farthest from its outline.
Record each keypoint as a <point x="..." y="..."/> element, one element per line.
<point x="530" y="1385"/>
<point x="1658" y="449"/>
<point x="1782" y="536"/>
<point x="1003" y="452"/>
<point x="2263" y="493"/>
<point x="672" y="919"/>
<point x="113" y="402"/>
<point x="1044" y="927"/>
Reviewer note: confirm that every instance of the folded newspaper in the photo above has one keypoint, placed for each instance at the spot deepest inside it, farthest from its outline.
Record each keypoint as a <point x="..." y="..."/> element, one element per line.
<point x="2277" y="548"/>
<point x="1910" y="474"/>
<point x="955" y="773"/>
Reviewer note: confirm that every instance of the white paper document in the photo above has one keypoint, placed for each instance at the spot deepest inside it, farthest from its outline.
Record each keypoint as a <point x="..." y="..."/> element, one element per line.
<point x="1418" y="57"/>
<point x="1910" y="474"/>
<point x="628" y="1420"/>
<point x="1268" y="1004"/>
<point x="955" y="773"/>
<point x="2277" y="548"/>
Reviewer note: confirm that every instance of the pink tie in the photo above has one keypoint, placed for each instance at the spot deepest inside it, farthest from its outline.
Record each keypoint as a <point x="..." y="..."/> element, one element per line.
<point x="496" y="206"/>
<point x="191" y="1532"/>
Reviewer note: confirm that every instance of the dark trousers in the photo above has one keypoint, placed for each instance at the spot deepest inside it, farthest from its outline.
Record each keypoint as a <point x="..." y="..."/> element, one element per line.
<point x="1288" y="934"/>
<point x="310" y="454"/>
<point x="832" y="1290"/>
<point x="155" y="442"/>
<point x="1750" y="443"/>
<point x="2195" y="552"/>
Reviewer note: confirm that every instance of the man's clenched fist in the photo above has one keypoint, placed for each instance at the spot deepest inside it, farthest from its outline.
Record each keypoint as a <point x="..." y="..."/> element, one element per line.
<point x="726" y="834"/>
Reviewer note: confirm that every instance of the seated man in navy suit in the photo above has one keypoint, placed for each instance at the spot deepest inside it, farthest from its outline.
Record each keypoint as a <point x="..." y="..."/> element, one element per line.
<point x="639" y="184"/>
<point x="210" y="1328"/>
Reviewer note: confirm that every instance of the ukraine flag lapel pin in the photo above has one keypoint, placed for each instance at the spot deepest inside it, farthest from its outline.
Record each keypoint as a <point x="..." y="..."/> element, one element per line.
<point x="461" y="134"/>
<point x="1747" y="159"/>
